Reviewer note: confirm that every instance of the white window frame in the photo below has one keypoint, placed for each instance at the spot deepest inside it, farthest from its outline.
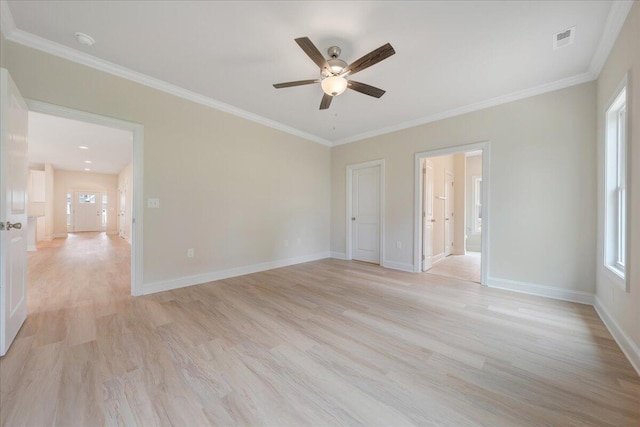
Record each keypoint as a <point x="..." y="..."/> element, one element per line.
<point x="616" y="180"/>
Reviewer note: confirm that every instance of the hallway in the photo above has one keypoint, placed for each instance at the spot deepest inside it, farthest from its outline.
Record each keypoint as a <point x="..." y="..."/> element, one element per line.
<point x="98" y="265"/>
<point x="463" y="267"/>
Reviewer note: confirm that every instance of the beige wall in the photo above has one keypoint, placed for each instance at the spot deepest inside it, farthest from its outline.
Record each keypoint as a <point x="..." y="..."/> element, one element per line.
<point x="474" y="168"/>
<point x="49" y="204"/>
<point x="231" y="189"/>
<point x="622" y="306"/>
<point x="125" y="184"/>
<point x="69" y="181"/>
<point x="542" y="197"/>
<point x="459" y="166"/>
<point x="2" y="50"/>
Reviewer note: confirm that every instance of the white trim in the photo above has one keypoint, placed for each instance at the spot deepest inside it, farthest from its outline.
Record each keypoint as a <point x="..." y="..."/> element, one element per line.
<point x="59" y="236"/>
<point x="621" y="279"/>
<point x="437" y="258"/>
<point x="486" y="188"/>
<point x="492" y="102"/>
<point x="615" y="20"/>
<point x="138" y="164"/>
<point x="338" y="255"/>
<point x="626" y="344"/>
<point x="542" y="291"/>
<point x="402" y="266"/>
<point x="7" y="24"/>
<point x="182" y="282"/>
<point x="350" y="169"/>
<point x="36" y="42"/>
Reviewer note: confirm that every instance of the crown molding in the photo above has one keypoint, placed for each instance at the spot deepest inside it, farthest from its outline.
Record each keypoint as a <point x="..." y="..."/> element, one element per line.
<point x="492" y="102"/>
<point x="615" y="20"/>
<point x="7" y="24"/>
<point x="24" y="38"/>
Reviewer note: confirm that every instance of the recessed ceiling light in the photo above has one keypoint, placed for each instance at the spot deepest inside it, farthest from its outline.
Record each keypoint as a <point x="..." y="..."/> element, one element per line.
<point x="88" y="161"/>
<point x="83" y="147"/>
<point x="84" y="39"/>
<point x="87" y="169"/>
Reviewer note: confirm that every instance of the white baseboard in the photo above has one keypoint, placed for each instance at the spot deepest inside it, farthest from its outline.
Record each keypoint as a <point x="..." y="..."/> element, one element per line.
<point x="338" y="255"/>
<point x="543" y="291"/>
<point x="438" y="257"/>
<point x="181" y="282"/>
<point x="398" y="266"/>
<point x="629" y="348"/>
<point x="59" y="236"/>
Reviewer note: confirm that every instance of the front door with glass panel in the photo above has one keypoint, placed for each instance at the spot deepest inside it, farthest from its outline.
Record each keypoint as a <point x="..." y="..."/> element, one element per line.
<point x="87" y="211"/>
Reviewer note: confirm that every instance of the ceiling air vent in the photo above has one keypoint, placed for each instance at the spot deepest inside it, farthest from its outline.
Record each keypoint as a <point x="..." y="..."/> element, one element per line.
<point x="564" y="38"/>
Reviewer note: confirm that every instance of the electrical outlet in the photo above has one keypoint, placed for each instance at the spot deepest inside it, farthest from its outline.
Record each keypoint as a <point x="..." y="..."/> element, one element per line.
<point x="190" y="253"/>
<point x="399" y="244"/>
<point x="153" y="203"/>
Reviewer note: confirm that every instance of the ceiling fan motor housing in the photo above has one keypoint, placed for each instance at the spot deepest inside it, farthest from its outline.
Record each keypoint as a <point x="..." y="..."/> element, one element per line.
<point x="336" y="65"/>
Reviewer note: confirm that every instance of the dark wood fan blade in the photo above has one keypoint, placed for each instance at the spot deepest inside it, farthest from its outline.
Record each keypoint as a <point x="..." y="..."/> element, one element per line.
<point x="326" y="101"/>
<point x="371" y="58"/>
<point x="312" y="52"/>
<point x="296" y="83"/>
<point x="366" y="89"/>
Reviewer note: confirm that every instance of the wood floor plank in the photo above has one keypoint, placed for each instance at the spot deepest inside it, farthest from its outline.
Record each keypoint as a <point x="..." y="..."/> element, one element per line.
<point x="322" y="343"/>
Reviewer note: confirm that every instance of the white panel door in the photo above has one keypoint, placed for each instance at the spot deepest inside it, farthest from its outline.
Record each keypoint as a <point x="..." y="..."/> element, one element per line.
<point x="13" y="211"/>
<point x="427" y="215"/>
<point x="87" y="211"/>
<point x="365" y="214"/>
<point x="448" y="213"/>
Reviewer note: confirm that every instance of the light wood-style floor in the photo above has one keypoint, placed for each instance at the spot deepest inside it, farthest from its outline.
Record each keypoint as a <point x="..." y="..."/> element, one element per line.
<point x="463" y="267"/>
<point x="324" y="343"/>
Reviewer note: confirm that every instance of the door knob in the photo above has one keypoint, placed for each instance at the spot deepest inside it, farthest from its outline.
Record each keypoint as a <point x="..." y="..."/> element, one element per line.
<point x="433" y="220"/>
<point x="353" y="218"/>
<point x="17" y="225"/>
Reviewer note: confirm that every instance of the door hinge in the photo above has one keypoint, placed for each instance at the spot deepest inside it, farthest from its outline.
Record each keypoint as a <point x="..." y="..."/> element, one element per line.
<point x="1" y="226"/>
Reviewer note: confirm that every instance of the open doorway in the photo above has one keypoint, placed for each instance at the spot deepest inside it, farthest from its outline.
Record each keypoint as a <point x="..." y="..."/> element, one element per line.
<point x="451" y="212"/>
<point x="79" y="166"/>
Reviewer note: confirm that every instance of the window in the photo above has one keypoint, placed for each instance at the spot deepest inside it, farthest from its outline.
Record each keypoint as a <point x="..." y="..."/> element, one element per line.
<point x="87" y="198"/>
<point x="615" y="242"/>
<point x="477" y="204"/>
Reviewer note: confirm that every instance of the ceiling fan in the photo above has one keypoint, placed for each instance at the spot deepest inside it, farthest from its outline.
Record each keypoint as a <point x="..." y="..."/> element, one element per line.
<point x="334" y="71"/>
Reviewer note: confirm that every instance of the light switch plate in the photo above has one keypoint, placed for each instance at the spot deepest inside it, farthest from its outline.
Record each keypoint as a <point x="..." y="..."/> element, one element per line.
<point x="153" y="203"/>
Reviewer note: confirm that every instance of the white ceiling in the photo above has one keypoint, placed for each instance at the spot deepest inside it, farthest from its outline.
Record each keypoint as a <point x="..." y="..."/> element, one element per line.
<point x="56" y="140"/>
<point x="452" y="56"/>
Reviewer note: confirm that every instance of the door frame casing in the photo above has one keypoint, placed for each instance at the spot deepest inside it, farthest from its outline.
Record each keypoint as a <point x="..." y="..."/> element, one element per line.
<point x="485" y="146"/>
<point x="138" y="164"/>
<point x="349" y="229"/>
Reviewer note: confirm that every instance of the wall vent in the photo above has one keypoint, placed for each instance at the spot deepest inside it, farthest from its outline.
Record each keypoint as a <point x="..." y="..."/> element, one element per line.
<point x="564" y="38"/>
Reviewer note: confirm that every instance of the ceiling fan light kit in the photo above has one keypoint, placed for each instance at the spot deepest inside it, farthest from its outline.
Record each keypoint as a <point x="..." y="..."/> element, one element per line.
<point x="334" y="71"/>
<point x="334" y="85"/>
